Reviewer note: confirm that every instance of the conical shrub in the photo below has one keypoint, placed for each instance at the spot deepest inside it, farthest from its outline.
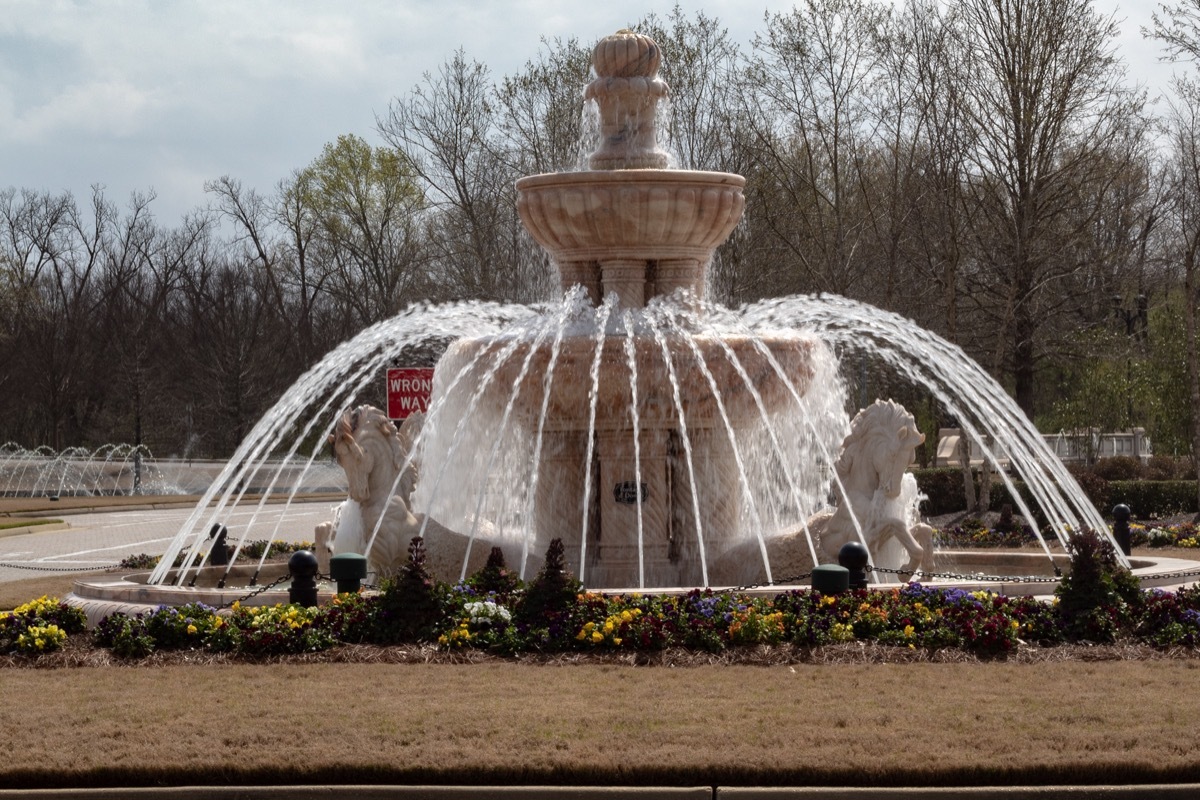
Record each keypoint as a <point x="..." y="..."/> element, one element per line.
<point x="410" y="606"/>
<point x="552" y="592"/>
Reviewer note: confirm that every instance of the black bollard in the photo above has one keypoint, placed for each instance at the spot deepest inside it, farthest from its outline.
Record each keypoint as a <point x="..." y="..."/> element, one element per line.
<point x="303" y="566"/>
<point x="219" y="555"/>
<point x="1121" y="515"/>
<point x="348" y="569"/>
<point x="830" y="579"/>
<point x="854" y="557"/>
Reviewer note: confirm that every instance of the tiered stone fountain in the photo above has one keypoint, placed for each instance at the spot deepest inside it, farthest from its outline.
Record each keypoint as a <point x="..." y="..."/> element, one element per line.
<point x="632" y="228"/>
<point x="667" y="442"/>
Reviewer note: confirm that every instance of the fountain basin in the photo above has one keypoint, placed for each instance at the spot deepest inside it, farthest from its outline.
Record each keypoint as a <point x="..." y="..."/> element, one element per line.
<point x="631" y="510"/>
<point x="101" y="596"/>
<point x="776" y="368"/>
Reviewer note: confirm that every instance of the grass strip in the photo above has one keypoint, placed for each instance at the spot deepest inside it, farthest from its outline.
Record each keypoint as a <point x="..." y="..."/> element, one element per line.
<point x="54" y="584"/>
<point x="602" y="724"/>
<point x="27" y="522"/>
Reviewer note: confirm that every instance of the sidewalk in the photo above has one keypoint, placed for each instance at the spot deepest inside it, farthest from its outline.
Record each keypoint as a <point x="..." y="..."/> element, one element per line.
<point x="44" y="506"/>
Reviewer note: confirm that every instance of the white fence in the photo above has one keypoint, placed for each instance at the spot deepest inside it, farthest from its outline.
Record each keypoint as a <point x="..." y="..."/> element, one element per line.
<point x="1073" y="447"/>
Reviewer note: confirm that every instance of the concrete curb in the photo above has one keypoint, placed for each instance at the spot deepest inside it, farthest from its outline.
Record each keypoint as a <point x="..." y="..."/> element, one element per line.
<point x="37" y="507"/>
<point x="372" y="793"/>
<point x="1158" y="791"/>
<point x="1164" y="791"/>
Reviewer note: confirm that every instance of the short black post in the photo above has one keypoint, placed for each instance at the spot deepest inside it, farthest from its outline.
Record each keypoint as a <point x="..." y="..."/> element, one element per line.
<point x="348" y="569"/>
<point x="854" y="557"/>
<point x="218" y="556"/>
<point x="830" y="579"/>
<point x="303" y="566"/>
<point x="1121" y="515"/>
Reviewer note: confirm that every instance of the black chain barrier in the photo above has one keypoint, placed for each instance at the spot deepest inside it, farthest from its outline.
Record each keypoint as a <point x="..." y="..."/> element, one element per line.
<point x="60" y="569"/>
<point x="980" y="577"/>
<point x="1169" y="575"/>
<point x="781" y="582"/>
<point x="257" y="591"/>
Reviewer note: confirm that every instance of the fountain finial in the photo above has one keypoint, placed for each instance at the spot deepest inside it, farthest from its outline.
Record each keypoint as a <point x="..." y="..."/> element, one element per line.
<point x="626" y="54"/>
<point x="627" y="90"/>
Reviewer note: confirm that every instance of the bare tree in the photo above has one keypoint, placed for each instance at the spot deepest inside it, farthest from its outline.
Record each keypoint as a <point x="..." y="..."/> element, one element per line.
<point x="1046" y="105"/>
<point x="1185" y="232"/>
<point x="541" y="109"/>
<point x="934" y="190"/>
<point x="807" y="83"/>
<point x="1178" y="28"/>
<point x="447" y="129"/>
<point x="53" y="269"/>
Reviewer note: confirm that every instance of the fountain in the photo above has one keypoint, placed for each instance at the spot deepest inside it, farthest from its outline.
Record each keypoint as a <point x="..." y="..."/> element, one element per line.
<point x="113" y="469"/>
<point x="667" y="441"/>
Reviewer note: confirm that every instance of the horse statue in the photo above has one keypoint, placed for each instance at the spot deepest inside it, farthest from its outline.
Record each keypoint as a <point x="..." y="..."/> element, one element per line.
<point x="878" y="493"/>
<point x="373" y="453"/>
<point x="876" y="489"/>
<point x="382" y="471"/>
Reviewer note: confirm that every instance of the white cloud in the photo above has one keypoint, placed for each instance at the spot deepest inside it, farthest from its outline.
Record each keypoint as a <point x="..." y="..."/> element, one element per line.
<point x="139" y="93"/>
<point x="105" y="108"/>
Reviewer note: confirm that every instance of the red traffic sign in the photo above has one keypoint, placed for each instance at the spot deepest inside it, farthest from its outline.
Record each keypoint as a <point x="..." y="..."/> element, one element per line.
<point x="408" y="390"/>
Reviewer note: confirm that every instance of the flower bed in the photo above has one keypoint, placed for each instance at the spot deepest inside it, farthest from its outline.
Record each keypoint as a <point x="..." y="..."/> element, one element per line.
<point x="252" y="550"/>
<point x="972" y="533"/>
<point x="39" y="626"/>
<point x="1156" y="535"/>
<point x="1097" y="602"/>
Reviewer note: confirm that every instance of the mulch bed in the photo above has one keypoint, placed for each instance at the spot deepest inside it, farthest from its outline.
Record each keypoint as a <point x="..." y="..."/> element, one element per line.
<point x="78" y="652"/>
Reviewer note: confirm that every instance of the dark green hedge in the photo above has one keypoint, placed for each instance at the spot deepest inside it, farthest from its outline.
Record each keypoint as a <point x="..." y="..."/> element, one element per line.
<point x="1154" y="498"/>
<point x="944" y="488"/>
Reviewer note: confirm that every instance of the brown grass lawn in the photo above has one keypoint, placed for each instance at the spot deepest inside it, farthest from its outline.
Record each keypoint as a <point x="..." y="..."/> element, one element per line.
<point x="1076" y="716"/>
<point x="55" y="584"/>
<point x="502" y="722"/>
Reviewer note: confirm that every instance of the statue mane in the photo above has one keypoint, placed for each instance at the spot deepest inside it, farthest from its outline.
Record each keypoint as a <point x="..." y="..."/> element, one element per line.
<point x="367" y="425"/>
<point x="372" y="451"/>
<point x="885" y="426"/>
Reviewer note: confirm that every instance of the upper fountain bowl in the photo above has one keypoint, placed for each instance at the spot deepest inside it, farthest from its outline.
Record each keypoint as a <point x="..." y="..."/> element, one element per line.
<point x="628" y="226"/>
<point x="639" y="214"/>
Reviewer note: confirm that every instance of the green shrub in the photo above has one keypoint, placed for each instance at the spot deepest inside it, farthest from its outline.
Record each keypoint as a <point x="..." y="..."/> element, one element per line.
<point x="552" y="591"/>
<point x="410" y="607"/>
<point x="495" y="578"/>
<point x="1096" y="598"/>
<point x="1168" y="468"/>
<point x="1118" y="468"/>
<point x="943" y="489"/>
<point x="1096" y="488"/>
<point x="1150" y="499"/>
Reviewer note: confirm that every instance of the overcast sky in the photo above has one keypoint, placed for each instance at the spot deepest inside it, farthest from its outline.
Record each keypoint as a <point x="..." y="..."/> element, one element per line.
<point x="162" y="96"/>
